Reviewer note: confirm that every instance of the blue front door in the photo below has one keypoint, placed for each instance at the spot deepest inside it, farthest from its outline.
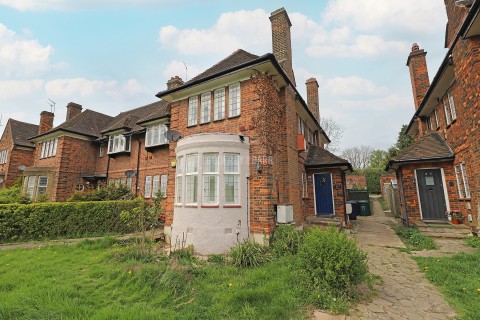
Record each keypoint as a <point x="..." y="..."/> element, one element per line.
<point x="323" y="193"/>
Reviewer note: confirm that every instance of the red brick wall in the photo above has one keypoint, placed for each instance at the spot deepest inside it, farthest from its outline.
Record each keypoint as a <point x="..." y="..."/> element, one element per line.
<point x="456" y="16"/>
<point x="356" y="181"/>
<point x="417" y="64"/>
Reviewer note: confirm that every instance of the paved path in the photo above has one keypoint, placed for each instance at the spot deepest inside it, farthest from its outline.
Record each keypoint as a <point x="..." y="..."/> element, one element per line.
<point x="403" y="292"/>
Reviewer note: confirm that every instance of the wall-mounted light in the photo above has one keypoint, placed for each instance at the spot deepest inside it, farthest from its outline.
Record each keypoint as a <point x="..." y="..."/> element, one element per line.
<point x="173" y="163"/>
<point x="167" y="124"/>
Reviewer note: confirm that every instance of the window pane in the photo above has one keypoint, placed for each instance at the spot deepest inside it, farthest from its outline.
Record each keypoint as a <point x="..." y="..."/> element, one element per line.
<point x="192" y="163"/>
<point x="219" y="104"/>
<point x="163" y="185"/>
<point x="162" y="137"/>
<point x="192" y="110"/>
<point x="459" y="183"/>
<point x="148" y="186"/>
<point x="210" y="163"/>
<point x="178" y="186"/>
<point x="192" y="183"/>
<point x="149" y="134"/>
<point x="206" y="103"/>
<point x="210" y="189"/>
<point x="42" y="185"/>
<point x="31" y="185"/>
<point x="179" y="165"/>
<point x="231" y="189"/>
<point x="447" y="111"/>
<point x="156" y="135"/>
<point x="155" y="186"/>
<point x="465" y="180"/>
<point x="452" y="105"/>
<point x="42" y="153"/>
<point x="234" y="100"/>
<point x="231" y="162"/>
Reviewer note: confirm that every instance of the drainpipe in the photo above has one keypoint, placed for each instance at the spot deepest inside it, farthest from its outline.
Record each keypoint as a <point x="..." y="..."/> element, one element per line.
<point x="248" y="213"/>
<point x="138" y="167"/>
<point x="344" y="183"/>
<point x="402" y="192"/>
<point x="108" y="168"/>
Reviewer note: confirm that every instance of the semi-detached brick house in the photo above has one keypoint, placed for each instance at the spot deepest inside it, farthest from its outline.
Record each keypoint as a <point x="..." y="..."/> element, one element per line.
<point x="441" y="170"/>
<point x="202" y="145"/>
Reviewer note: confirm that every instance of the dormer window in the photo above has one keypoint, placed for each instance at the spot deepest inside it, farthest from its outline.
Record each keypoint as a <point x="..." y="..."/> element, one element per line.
<point x="118" y="143"/>
<point x="155" y="135"/>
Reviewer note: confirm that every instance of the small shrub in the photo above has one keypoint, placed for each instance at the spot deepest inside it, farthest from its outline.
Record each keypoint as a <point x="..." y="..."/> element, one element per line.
<point x="331" y="265"/>
<point x="13" y="195"/>
<point x="108" y="193"/>
<point x="216" y="258"/>
<point x="249" y="254"/>
<point x="285" y="241"/>
<point x="414" y="238"/>
<point x="473" y="242"/>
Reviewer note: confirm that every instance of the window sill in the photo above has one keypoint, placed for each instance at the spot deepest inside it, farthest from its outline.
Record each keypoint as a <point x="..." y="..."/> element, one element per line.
<point x="191" y="206"/>
<point x="210" y="206"/>
<point x="204" y="123"/>
<point x="233" y="117"/>
<point x="218" y="120"/>
<point x="232" y="206"/>
<point x="119" y="153"/>
<point x="191" y="125"/>
<point x="157" y="146"/>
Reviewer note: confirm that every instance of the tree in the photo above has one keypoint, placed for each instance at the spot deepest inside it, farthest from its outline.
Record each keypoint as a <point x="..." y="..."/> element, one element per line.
<point x="334" y="132"/>
<point x="404" y="141"/>
<point x="359" y="157"/>
<point x="379" y="159"/>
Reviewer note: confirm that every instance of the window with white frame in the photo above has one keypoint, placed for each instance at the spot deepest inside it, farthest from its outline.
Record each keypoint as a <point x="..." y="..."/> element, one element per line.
<point x="205" y="107"/>
<point x="192" y="110"/>
<point x="163" y="185"/>
<point x="148" y="187"/>
<point x="155" y="186"/>
<point x="178" y="181"/>
<point x="191" y="178"/>
<point x="234" y="100"/>
<point x="219" y="104"/>
<point x="449" y="107"/>
<point x="42" y="185"/>
<point x="3" y="156"/>
<point x="462" y="180"/>
<point x="210" y="178"/>
<point x="155" y="135"/>
<point x="31" y="186"/>
<point x="118" y="143"/>
<point x="49" y="148"/>
<point x="437" y="123"/>
<point x="232" y="178"/>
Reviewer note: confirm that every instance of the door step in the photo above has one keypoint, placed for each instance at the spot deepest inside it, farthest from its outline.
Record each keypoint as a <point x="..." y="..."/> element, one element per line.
<point x="325" y="221"/>
<point x="443" y="229"/>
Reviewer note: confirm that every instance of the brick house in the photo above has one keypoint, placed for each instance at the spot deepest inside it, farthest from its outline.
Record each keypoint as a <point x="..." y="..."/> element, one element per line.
<point x="441" y="170"/>
<point x="228" y="149"/>
<point x="16" y="151"/>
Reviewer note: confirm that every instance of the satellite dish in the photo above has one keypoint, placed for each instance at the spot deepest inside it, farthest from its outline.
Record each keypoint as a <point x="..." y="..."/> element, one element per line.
<point x="172" y="135"/>
<point x="130" y="173"/>
<point x="21" y="168"/>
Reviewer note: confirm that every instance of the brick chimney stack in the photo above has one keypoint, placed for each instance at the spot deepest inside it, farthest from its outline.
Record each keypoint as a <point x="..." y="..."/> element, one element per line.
<point x="281" y="41"/>
<point x="417" y="64"/>
<point x="174" y="82"/>
<point x="73" y="110"/>
<point x="312" y="97"/>
<point x="46" y="122"/>
<point x="456" y="13"/>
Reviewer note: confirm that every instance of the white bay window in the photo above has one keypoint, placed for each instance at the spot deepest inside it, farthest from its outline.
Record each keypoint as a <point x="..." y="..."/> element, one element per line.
<point x="210" y="178"/>
<point x="155" y="135"/>
<point x="118" y="143"/>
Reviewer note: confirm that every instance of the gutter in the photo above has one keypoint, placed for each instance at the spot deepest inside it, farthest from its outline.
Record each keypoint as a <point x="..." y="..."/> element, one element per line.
<point x="421" y="160"/>
<point x="62" y="129"/>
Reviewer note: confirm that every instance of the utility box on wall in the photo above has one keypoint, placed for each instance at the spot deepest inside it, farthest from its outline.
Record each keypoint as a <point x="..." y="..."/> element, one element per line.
<point x="284" y="213"/>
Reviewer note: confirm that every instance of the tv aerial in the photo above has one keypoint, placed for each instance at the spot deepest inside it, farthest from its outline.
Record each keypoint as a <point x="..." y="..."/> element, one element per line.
<point x="51" y="103"/>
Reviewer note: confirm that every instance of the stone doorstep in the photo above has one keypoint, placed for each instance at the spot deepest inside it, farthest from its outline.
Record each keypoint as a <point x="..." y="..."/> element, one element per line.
<point x="324" y="221"/>
<point x="448" y="230"/>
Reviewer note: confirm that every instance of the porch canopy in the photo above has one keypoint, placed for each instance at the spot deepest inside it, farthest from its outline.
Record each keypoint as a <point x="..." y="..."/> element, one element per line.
<point x="430" y="148"/>
<point x="321" y="158"/>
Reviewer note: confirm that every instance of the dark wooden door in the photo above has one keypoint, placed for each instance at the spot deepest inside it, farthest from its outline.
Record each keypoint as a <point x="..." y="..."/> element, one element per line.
<point x="323" y="193"/>
<point x="432" y="194"/>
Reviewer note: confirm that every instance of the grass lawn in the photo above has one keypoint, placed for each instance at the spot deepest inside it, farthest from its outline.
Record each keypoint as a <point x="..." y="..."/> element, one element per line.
<point x="414" y="239"/>
<point x="458" y="277"/>
<point x="102" y="280"/>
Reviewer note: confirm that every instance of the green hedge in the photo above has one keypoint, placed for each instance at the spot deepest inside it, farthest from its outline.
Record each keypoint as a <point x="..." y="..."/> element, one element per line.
<point x="62" y="219"/>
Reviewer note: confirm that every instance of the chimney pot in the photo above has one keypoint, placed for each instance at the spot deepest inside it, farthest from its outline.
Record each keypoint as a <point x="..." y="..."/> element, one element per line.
<point x="415" y="47"/>
<point x="73" y="110"/>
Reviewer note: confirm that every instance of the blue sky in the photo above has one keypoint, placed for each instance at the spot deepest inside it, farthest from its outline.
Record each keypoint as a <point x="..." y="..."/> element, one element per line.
<point x="114" y="56"/>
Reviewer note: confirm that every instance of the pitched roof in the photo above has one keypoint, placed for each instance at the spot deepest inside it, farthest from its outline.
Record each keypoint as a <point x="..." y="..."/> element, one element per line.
<point x="321" y="158"/>
<point x="129" y="119"/>
<point x="430" y="147"/>
<point x="237" y="58"/>
<point x="21" y="131"/>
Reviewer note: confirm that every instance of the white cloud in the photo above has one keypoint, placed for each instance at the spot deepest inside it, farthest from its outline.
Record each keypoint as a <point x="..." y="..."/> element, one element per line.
<point x="77" y="87"/>
<point x="20" y="56"/>
<point x="65" y="5"/>
<point x="381" y="16"/>
<point x="350" y="86"/>
<point x="233" y="30"/>
<point x="19" y="88"/>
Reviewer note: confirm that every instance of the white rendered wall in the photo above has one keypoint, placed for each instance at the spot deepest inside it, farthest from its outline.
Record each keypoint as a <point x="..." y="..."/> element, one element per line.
<point x="212" y="230"/>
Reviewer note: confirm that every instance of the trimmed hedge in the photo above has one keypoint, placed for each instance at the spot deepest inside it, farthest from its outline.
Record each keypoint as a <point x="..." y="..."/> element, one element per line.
<point x="62" y="219"/>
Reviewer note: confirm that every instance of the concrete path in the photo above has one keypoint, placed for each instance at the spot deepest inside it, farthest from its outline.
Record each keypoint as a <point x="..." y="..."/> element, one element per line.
<point x="403" y="292"/>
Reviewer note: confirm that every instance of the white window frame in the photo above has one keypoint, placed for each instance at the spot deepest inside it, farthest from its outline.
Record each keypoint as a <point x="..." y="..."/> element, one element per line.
<point x="207" y="174"/>
<point x="42" y="152"/>
<point x="155" y="135"/>
<point x="179" y="181"/>
<point x="446" y="109"/>
<point x="30" y="190"/>
<point x="219" y="104"/>
<point x="453" y="112"/>
<point x="192" y="111"/>
<point x="3" y="156"/>
<point x="236" y="176"/>
<point x="234" y="107"/>
<point x="206" y="107"/>
<point x="163" y="184"/>
<point x="191" y="188"/>
<point x="148" y="187"/>
<point x="436" y="119"/>
<point x="466" y="185"/>
<point x="118" y="143"/>
<point x="155" y="186"/>
<point x="42" y="188"/>
<point x="459" y="183"/>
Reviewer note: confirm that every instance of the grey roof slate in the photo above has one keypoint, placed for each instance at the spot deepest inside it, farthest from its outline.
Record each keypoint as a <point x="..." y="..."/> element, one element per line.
<point x="319" y="157"/>
<point x="21" y="131"/>
<point x="431" y="146"/>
